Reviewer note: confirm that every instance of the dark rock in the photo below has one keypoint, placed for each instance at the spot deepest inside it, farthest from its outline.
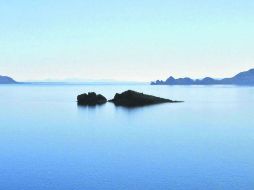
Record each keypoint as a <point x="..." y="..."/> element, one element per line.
<point x="133" y="99"/>
<point x="91" y="99"/>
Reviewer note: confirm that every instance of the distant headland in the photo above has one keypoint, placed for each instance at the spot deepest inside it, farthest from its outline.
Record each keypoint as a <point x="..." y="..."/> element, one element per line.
<point x="7" y="80"/>
<point x="243" y="78"/>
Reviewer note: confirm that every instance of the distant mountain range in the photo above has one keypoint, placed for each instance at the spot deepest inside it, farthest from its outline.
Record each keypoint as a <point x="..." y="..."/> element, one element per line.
<point x="84" y="82"/>
<point x="243" y="78"/>
<point x="7" y="80"/>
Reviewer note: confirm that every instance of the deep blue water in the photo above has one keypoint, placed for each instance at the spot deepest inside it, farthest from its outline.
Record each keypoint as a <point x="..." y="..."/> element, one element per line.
<point x="48" y="142"/>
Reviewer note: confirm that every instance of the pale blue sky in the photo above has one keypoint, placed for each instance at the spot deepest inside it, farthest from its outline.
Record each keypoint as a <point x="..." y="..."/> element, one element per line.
<point x="125" y="40"/>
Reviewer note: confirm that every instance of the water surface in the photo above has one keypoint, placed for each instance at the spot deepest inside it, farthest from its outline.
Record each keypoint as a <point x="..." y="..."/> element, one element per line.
<point x="48" y="142"/>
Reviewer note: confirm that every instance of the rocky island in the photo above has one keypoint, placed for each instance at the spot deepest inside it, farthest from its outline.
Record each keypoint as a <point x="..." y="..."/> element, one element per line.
<point x="91" y="99"/>
<point x="134" y="99"/>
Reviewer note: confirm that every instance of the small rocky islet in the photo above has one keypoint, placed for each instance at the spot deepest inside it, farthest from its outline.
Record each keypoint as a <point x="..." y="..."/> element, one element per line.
<point x="91" y="99"/>
<point x="134" y="99"/>
<point x="128" y="98"/>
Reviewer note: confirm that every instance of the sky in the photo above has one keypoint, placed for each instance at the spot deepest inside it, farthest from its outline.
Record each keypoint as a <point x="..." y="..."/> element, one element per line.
<point x="127" y="40"/>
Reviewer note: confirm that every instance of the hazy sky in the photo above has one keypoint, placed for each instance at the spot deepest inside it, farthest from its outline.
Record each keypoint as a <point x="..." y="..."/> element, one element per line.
<point x="125" y="39"/>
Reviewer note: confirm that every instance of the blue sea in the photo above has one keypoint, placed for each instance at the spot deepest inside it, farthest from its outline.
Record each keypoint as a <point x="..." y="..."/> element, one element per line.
<point x="47" y="142"/>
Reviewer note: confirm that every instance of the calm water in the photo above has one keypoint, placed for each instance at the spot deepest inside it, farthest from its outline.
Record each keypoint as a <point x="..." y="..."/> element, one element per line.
<point x="48" y="142"/>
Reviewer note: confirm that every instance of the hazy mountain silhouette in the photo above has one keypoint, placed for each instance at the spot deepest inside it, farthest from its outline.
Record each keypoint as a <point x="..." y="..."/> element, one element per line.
<point x="243" y="78"/>
<point x="7" y="80"/>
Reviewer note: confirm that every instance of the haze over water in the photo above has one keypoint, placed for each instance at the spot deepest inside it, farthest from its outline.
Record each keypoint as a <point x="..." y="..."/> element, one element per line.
<point x="48" y="142"/>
